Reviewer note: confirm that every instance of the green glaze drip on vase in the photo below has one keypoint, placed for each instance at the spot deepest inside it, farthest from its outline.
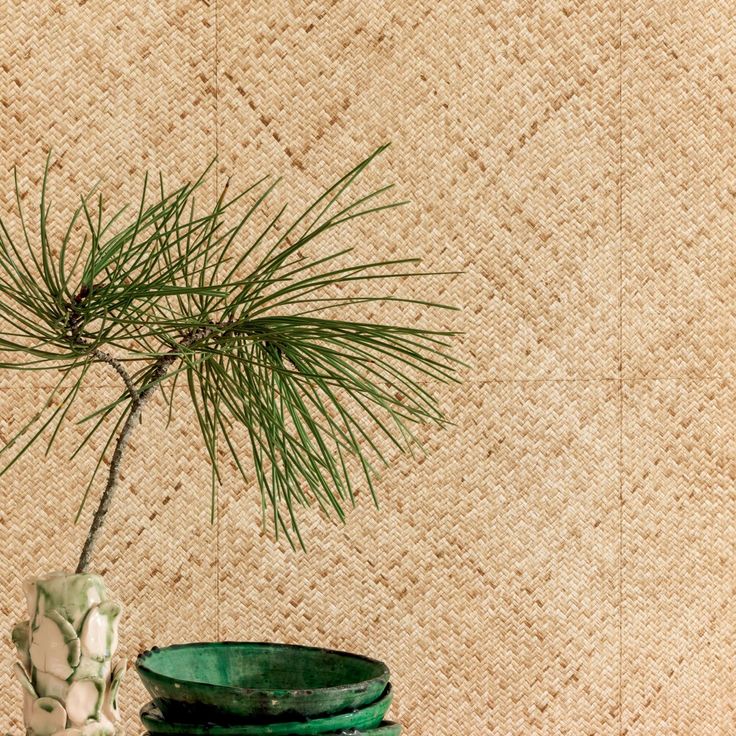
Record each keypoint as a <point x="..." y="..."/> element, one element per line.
<point x="65" y="649"/>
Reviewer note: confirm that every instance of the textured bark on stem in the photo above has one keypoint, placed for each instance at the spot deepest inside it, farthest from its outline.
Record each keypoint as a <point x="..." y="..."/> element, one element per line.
<point x="139" y="399"/>
<point x="120" y="370"/>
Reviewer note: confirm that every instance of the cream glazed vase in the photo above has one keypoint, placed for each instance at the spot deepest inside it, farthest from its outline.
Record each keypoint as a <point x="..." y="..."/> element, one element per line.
<point x="66" y="648"/>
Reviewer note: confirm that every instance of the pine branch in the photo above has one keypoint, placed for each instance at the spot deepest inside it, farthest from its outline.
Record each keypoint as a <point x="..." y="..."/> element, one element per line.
<point x="120" y="370"/>
<point x="170" y="291"/>
<point x="136" y="407"/>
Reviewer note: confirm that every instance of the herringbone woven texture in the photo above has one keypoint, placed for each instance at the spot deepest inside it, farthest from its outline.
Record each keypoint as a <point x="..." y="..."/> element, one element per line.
<point x="562" y="561"/>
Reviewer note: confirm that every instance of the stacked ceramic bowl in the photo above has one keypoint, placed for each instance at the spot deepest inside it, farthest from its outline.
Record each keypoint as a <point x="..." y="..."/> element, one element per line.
<point x="257" y="689"/>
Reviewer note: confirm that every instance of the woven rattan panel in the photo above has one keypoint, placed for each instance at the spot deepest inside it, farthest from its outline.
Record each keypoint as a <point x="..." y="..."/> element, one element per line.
<point x="562" y="560"/>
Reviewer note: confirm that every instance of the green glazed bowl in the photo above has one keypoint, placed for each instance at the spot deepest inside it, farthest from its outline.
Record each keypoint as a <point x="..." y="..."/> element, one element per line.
<point x="360" y="720"/>
<point x="229" y="682"/>
<point x="386" y="728"/>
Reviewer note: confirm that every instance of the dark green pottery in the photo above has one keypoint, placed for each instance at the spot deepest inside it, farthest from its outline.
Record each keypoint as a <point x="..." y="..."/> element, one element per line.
<point x="386" y="728"/>
<point x="365" y="719"/>
<point x="229" y="682"/>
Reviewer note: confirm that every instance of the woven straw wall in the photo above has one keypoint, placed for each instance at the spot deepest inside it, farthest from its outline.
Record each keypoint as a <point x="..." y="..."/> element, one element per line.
<point x="562" y="562"/>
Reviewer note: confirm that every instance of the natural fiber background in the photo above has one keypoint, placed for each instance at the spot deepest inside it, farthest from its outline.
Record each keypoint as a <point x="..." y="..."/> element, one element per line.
<point x="563" y="561"/>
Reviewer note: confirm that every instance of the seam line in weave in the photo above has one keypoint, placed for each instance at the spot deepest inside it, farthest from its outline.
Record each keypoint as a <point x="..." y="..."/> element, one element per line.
<point x="217" y="190"/>
<point x="487" y="381"/>
<point x="620" y="218"/>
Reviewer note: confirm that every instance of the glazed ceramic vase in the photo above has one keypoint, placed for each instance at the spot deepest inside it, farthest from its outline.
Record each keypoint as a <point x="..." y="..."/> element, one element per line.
<point x="66" y="649"/>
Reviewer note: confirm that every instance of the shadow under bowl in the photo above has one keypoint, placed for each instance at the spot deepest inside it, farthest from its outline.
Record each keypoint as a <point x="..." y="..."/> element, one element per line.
<point x="227" y="682"/>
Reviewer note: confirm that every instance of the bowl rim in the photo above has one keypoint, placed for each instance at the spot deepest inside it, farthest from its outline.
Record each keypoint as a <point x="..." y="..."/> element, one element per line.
<point x="140" y="665"/>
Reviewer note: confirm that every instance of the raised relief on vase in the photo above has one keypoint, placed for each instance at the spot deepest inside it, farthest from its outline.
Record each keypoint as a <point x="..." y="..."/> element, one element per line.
<point x="65" y="651"/>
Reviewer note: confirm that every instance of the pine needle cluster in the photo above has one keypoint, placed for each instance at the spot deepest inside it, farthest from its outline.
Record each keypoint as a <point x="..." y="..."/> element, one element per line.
<point x="253" y="326"/>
